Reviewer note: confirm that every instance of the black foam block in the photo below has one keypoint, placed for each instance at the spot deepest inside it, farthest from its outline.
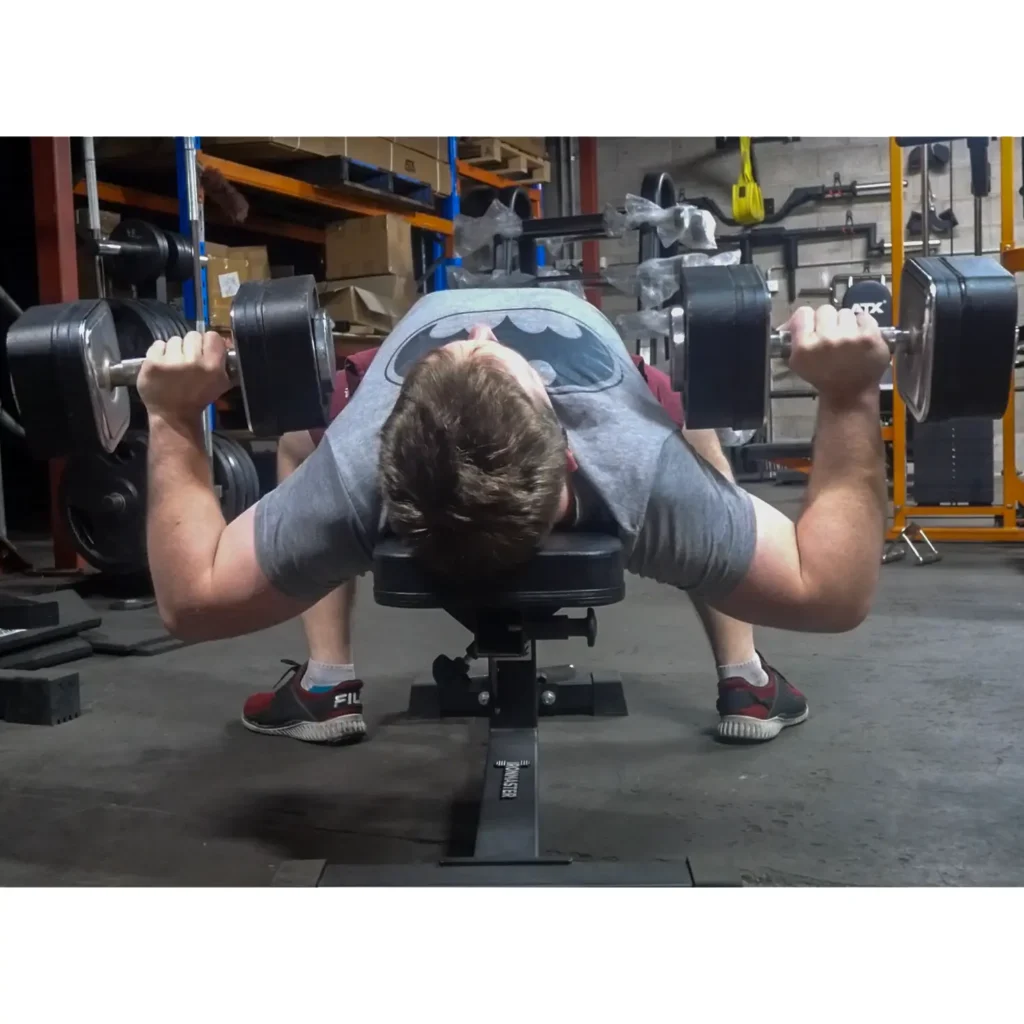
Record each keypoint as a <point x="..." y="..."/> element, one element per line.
<point x="46" y="697"/>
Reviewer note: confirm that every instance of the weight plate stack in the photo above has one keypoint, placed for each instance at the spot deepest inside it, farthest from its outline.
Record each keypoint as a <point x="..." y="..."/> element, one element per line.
<point x="235" y="473"/>
<point x="229" y="476"/>
<point x="179" y="261"/>
<point x="726" y="325"/>
<point x="965" y="309"/>
<point x="55" y="355"/>
<point x="102" y="502"/>
<point x="278" y="349"/>
<point x="145" y="256"/>
<point x="252" y="494"/>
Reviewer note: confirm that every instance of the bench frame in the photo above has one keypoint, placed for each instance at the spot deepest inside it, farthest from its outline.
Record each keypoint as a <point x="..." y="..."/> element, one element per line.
<point x="513" y="696"/>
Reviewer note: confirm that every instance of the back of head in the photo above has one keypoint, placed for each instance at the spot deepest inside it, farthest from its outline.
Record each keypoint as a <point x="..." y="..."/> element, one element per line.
<point x="472" y="468"/>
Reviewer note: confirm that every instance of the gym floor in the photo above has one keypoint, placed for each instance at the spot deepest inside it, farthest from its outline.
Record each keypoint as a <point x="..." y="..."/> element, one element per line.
<point x="905" y="773"/>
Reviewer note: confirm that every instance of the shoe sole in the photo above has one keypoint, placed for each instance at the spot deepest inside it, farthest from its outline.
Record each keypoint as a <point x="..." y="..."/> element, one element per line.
<point x="344" y="729"/>
<point x="744" y="729"/>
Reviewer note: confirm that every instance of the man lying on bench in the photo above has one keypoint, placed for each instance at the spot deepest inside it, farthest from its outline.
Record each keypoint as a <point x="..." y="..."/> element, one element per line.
<point x="486" y="420"/>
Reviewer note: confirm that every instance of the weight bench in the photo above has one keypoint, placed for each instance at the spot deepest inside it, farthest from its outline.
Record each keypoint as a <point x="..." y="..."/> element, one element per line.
<point x="572" y="570"/>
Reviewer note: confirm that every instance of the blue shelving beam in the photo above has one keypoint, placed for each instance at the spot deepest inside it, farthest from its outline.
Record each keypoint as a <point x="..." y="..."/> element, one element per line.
<point x="449" y="210"/>
<point x="185" y="227"/>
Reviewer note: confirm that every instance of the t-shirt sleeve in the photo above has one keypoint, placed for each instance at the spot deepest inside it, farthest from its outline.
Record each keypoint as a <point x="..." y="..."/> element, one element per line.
<point x="309" y="537"/>
<point x="699" y="530"/>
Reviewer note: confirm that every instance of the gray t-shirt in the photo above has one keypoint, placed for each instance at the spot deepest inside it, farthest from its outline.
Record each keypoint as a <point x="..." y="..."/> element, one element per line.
<point x="681" y="522"/>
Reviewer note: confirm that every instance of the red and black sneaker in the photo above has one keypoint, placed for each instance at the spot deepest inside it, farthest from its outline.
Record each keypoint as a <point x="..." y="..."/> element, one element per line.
<point x="756" y="713"/>
<point x="329" y="716"/>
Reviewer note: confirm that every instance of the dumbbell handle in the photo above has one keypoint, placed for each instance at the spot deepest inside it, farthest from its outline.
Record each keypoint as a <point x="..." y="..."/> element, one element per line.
<point x="125" y="373"/>
<point x="781" y="342"/>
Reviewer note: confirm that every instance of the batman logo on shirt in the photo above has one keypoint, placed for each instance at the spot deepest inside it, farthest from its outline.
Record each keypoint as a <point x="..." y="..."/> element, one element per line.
<point x="566" y="353"/>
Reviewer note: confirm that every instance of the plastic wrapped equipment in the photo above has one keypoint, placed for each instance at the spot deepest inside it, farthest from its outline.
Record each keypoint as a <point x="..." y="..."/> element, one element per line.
<point x="655" y="281"/>
<point x="681" y="223"/>
<point x="463" y="277"/>
<point x="473" y="234"/>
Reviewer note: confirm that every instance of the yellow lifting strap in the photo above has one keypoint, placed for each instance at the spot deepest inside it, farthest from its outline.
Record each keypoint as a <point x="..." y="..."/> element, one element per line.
<point x="747" y="201"/>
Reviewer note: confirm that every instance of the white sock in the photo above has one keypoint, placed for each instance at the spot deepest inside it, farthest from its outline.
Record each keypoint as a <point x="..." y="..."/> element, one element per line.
<point x="752" y="671"/>
<point x="321" y="675"/>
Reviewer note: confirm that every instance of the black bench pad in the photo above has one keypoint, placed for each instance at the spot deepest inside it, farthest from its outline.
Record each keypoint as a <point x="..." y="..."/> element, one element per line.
<point x="572" y="570"/>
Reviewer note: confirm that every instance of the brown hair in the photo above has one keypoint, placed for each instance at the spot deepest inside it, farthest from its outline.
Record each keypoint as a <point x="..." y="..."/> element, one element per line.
<point x="472" y="469"/>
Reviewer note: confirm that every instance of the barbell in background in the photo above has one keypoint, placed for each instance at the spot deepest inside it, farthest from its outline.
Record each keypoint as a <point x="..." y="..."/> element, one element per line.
<point x="138" y="252"/>
<point x="70" y="382"/>
<point x="954" y="348"/>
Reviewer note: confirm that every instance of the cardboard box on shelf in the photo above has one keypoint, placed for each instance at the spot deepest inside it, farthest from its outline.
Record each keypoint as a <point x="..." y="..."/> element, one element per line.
<point x="259" y="262"/>
<point x="414" y="165"/>
<point x="359" y="308"/>
<point x="367" y="246"/>
<point x="271" y="149"/>
<point x="372" y="151"/>
<point x="108" y="221"/>
<point x="399" y="290"/>
<point x="226" y="269"/>
<point x="436" y="149"/>
<point x="435" y="173"/>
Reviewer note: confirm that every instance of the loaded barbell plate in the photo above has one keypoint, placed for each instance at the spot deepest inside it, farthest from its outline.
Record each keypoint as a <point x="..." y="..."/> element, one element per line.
<point x="253" y="491"/>
<point x="55" y="355"/>
<point x="229" y="476"/>
<point x="179" y="257"/>
<point x="287" y="369"/>
<point x="249" y="489"/>
<point x="102" y="502"/>
<point x="965" y="308"/>
<point x="138" y="265"/>
<point x="725" y="367"/>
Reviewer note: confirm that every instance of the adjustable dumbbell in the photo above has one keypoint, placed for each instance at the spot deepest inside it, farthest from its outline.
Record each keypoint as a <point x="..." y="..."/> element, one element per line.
<point x="71" y="384"/>
<point x="954" y="347"/>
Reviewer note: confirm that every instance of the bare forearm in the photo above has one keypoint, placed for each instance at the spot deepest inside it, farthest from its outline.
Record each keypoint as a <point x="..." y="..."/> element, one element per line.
<point x="840" y="532"/>
<point x="184" y="522"/>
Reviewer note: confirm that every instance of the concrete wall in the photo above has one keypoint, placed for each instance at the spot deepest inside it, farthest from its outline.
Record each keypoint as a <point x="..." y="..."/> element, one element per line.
<point x="699" y="170"/>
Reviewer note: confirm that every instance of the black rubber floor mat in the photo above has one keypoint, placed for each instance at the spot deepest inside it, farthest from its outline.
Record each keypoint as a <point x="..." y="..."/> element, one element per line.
<point x="58" y="652"/>
<point x="141" y="641"/>
<point x="74" y="617"/>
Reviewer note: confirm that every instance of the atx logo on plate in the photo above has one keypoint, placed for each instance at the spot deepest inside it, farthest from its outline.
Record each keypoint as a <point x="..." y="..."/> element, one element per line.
<point x="871" y="308"/>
